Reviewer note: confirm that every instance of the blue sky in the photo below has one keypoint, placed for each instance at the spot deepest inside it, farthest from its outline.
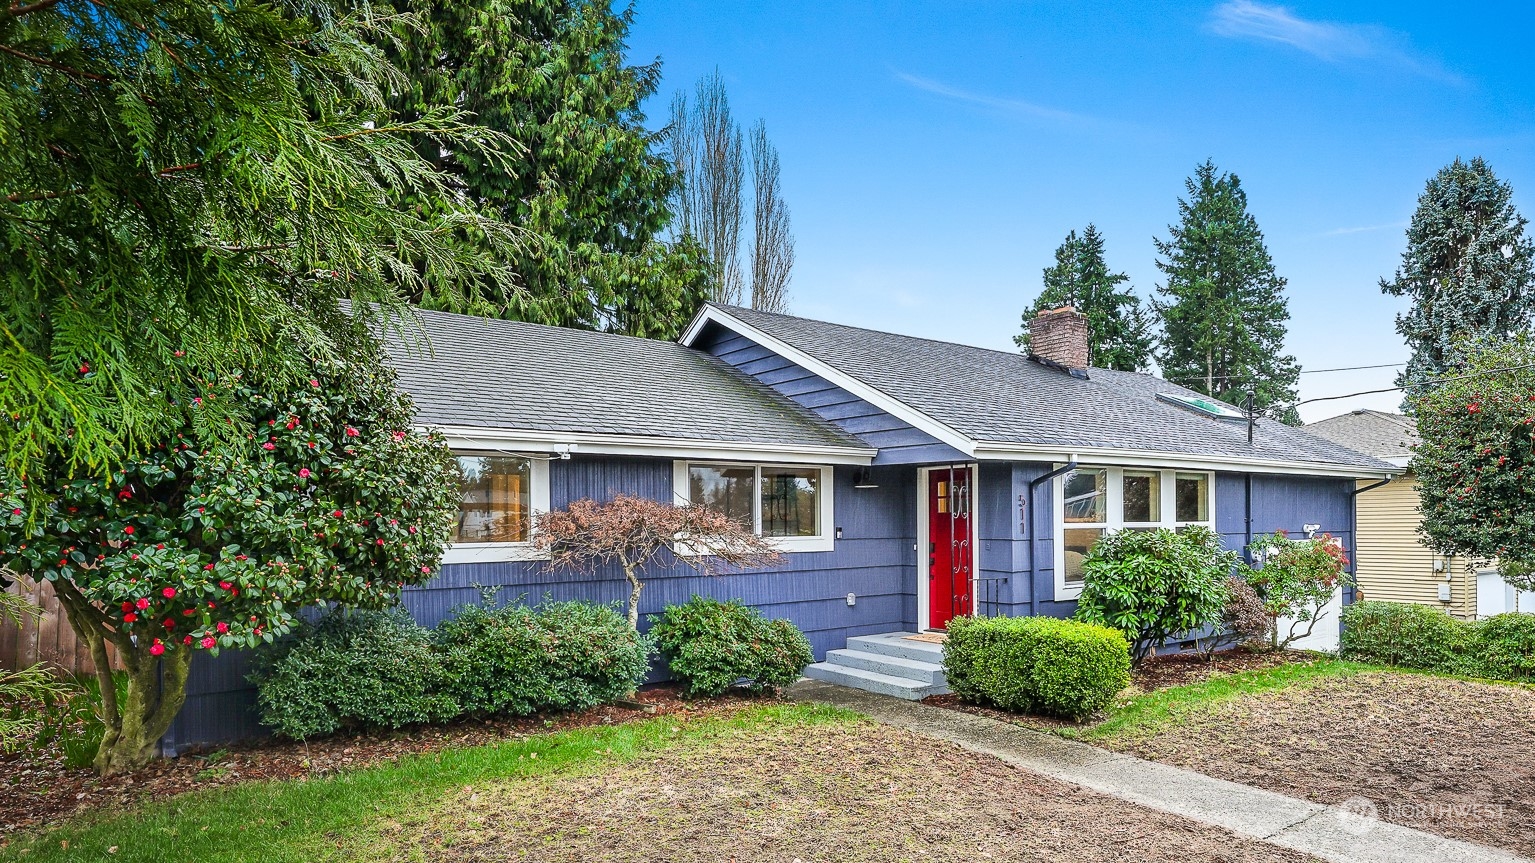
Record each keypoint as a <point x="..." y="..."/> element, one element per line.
<point x="934" y="155"/>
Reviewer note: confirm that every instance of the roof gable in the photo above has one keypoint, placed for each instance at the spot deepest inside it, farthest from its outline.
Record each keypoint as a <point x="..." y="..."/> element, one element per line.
<point x="1378" y="433"/>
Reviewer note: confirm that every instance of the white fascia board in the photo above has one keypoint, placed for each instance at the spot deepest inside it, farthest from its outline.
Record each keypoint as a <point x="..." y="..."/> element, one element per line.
<point x="467" y="438"/>
<point x="888" y="404"/>
<point x="999" y="451"/>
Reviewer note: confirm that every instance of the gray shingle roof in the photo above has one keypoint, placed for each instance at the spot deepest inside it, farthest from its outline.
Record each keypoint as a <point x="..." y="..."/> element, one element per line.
<point x="1377" y="433"/>
<point x="1003" y="397"/>
<point x="485" y="373"/>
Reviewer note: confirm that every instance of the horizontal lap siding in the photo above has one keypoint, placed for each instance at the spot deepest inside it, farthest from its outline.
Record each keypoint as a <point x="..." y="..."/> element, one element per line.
<point x="898" y="442"/>
<point x="874" y="560"/>
<point x="1393" y="563"/>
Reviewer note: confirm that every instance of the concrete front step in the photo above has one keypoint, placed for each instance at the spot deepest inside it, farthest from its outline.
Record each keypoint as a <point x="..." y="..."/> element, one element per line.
<point x="894" y="666"/>
<point x="898" y="644"/>
<point x="873" y="681"/>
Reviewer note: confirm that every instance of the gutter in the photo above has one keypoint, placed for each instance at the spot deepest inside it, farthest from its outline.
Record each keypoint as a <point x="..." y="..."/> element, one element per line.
<point x="1034" y="485"/>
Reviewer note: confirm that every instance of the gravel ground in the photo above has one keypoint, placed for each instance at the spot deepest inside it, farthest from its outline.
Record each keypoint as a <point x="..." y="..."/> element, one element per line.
<point x="1448" y="756"/>
<point x="829" y="792"/>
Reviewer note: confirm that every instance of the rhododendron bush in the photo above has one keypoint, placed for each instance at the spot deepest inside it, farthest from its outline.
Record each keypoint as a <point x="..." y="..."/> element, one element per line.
<point x="1475" y="462"/>
<point x="217" y="536"/>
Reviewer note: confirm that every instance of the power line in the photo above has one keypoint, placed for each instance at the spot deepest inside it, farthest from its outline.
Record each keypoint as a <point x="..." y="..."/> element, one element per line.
<point x="1198" y="378"/>
<point x="1420" y="384"/>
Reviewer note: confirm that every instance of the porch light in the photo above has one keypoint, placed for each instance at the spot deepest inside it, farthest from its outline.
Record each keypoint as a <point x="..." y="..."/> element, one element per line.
<point x="863" y="479"/>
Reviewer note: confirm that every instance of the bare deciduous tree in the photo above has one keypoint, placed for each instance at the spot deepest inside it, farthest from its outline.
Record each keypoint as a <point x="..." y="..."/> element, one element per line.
<point x="633" y="531"/>
<point x="773" y="241"/>
<point x="710" y="158"/>
<point x="707" y="149"/>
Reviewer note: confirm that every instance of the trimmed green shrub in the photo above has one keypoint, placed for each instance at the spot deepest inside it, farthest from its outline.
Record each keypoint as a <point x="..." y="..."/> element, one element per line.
<point x="1155" y="585"/>
<point x="372" y="669"/>
<point x="1410" y="636"/>
<point x="1036" y="664"/>
<point x="1504" y="648"/>
<point x="518" y="660"/>
<point x="712" y="645"/>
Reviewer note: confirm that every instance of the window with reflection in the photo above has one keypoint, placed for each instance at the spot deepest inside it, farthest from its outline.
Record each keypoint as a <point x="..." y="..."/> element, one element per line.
<point x="495" y="503"/>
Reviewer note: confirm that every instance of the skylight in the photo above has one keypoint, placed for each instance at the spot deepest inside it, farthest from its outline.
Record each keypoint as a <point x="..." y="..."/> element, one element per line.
<point x="1203" y="405"/>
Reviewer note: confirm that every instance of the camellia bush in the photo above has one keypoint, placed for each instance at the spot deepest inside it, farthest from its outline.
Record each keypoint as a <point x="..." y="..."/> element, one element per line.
<point x="218" y="535"/>
<point x="1155" y="585"/>
<point x="1475" y="460"/>
<point x="1295" y="581"/>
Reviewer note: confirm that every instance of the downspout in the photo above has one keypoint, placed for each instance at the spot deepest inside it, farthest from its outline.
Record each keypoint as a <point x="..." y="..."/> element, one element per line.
<point x="1034" y="485"/>
<point x="1353" y="528"/>
<point x="1247" y="540"/>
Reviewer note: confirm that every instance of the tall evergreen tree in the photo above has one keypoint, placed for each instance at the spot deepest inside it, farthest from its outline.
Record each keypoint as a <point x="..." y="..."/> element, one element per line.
<point x="1468" y="268"/>
<point x="1224" y="314"/>
<point x="586" y="183"/>
<point x="188" y="188"/>
<point x="1118" y="328"/>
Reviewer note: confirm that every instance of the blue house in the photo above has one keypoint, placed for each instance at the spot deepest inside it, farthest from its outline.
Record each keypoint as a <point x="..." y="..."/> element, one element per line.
<point x="906" y="480"/>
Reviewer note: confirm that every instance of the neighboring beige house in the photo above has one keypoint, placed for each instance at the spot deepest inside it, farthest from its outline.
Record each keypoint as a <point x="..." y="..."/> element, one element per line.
<point x="1391" y="562"/>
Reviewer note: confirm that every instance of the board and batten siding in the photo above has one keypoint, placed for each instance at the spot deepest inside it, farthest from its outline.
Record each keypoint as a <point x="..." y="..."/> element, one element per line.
<point x="874" y="560"/>
<point x="1393" y="563"/>
<point x="898" y="442"/>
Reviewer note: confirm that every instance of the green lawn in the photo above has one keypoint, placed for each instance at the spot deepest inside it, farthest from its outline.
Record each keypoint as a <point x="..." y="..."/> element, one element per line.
<point x="274" y="822"/>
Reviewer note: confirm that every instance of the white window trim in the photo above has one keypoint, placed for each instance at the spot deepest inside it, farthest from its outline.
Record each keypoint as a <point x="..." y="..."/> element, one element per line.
<point x="823" y="541"/>
<point x="1115" y="511"/>
<point x="499" y="552"/>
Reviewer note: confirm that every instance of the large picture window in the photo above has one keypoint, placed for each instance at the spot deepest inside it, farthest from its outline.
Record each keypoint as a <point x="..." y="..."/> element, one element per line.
<point x="788" y="503"/>
<point x="498" y="496"/>
<point x="1094" y="500"/>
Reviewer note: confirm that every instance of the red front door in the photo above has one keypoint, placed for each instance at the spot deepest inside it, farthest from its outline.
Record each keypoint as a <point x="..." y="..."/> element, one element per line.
<point x="950" y="552"/>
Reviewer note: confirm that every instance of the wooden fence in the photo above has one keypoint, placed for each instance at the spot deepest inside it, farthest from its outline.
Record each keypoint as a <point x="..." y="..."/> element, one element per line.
<point x="48" y="638"/>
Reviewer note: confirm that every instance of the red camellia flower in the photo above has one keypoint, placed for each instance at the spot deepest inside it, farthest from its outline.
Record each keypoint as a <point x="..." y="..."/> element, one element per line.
<point x="142" y="603"/>
<point x="223" y="627"/>
<point x="128" y="530"/>
<point x="130" y="617"/>
<point x="16" y="511"/>
<point x="337" y="514"/>
<point x="187" y="640"/>
<point x="226" y="585"/>
<point x="398" y="436"/>
<point x="303" y="473"/>
<point x="168" y="593"/>
<point x="157" y="648"/>
<point x="269" y="445"/>
<point x="351" y="432"/>
<point x="85" y="368"/>
<point x="314" y="383"/>
<point x="188" y="612"/>
<point x="209" y="641"/>
<point x="168" y="623"/>
<point x="127" y="606"/>
<point x="426" y="569"/>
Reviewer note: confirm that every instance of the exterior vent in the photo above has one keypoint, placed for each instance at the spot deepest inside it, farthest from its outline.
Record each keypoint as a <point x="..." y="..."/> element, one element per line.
<point x="1205" y="406"/>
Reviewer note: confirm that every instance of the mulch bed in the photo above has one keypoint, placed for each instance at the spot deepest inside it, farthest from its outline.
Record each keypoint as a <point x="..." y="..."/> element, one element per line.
<point x="1157" y="672"/>
<point x="1450" y="756"/>
<point x="850" y="792"/>
<point x="37" y="790"/>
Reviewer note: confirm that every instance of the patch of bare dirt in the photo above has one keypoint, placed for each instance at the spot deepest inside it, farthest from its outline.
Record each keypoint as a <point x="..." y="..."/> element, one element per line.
<point x="1449" y="756"/>
<point x="37" y="790"/>
<point x="828" y="792"/>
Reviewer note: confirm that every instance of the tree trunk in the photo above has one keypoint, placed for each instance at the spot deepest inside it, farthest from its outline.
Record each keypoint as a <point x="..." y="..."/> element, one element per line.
<point x="634" y="596"/>
<point x="157" y="688"/>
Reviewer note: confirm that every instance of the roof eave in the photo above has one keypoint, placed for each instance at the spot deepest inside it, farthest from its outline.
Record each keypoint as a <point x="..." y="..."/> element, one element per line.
<point x="1007" y="451"/>
<point x="592" y="443"/>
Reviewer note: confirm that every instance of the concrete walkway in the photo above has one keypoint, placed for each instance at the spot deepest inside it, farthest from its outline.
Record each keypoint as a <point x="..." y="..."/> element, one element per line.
<point x="1335" y="833"/>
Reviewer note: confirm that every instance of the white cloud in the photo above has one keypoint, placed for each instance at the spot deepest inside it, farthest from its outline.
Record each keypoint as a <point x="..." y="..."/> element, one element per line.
<point x="1014" y="106"/>
<point x="1332" y="41"/>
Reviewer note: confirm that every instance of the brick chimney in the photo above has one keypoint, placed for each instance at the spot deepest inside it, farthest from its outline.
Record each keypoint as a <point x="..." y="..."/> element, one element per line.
<point x="1060" y="335"/>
